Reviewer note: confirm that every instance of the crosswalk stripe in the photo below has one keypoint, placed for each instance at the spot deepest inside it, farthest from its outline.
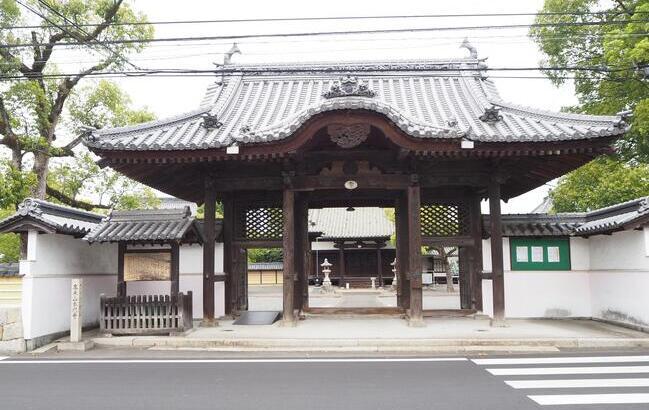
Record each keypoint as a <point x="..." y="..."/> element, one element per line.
<point x="572" y="383"/>
<point x="523" y="371"/>
<point x="561" y="360"/>
<point x="563" y="399"/>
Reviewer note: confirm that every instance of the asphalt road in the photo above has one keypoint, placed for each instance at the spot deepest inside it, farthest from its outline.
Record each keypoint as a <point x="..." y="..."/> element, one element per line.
<point x="324" y="383"/>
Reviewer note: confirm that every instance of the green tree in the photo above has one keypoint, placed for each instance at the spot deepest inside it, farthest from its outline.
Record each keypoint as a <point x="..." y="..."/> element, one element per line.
<point x="617" y="45"/>
<point x="9" y="242"/>
<point x="35" y="105"/>
<point x="265" y="255"/>
<point x="603" y="182"/>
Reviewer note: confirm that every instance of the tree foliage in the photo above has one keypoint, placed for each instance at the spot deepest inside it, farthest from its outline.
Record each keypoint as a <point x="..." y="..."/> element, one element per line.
<point x="603" y="182"/>
<point x="618" y="47"/>
<point x="41" y="115"/>
<point x="265" y="255"/>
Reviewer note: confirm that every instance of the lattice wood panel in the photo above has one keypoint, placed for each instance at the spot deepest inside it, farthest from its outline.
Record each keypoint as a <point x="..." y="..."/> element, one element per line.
<point x="259" y="223"/>
<point x="445" y="220"/>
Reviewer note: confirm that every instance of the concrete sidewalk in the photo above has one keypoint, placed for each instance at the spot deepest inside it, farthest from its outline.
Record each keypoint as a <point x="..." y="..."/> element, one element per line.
<point x="387" y="334"/>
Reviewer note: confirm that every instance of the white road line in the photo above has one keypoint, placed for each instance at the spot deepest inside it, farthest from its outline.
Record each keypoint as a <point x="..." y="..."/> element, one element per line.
<point x="3" y="357"/>
<point x="572" y="383"/>
<point x="562" y="360"/>
<point x="563" y="399"/>
<point x="522" y="371"/>
<point x="226" y="361"/>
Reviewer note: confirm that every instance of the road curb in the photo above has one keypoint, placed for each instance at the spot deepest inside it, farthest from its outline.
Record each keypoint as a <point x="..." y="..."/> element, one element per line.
<point x="352" y="345"/>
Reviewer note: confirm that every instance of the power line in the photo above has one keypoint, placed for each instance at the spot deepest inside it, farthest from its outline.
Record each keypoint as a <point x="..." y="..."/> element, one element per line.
<point x="47" y="6"/>
<point x="336" y="33"/>
<point x="339" y="18"/>
<point x="456" y="72"/>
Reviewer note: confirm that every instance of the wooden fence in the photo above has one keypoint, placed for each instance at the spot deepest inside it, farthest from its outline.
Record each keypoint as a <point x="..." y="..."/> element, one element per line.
<point x="146" y="314"/>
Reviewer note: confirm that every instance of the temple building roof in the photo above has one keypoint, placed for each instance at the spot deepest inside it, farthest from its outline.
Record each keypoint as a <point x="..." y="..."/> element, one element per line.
<point x="428" y="99"/>
<point x="47" y="217"/>
<point x="147" y="226"/>
<point x="338" y="223"/>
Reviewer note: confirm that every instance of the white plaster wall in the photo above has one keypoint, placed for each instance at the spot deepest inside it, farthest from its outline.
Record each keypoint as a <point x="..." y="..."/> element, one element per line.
<point x="52" y="261"/>
<point x="621" y="296"/>
<point x="623" y="251"/>
<point x="619" y="277"/>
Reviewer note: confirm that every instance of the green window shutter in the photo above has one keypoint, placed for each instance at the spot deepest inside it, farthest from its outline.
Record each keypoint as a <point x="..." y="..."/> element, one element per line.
<point x="540" y="253"/>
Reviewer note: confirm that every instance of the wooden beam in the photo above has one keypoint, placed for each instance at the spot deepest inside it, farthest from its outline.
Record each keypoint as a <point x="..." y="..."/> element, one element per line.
<point x="498" y="280"/>
<point x="208" y="253"/>
<point x="175" y="268"/>
<point x="121" y="283"/>
<point x="448" y="240"/>
<point x="401" y="227"/>
<point x="379" y="266"/>
<point x="475" y="257"/>
<point x="289" y="256"/>
<point x="414" y="256"/>
<point x="229" y="228"/>
<point x="341" y="266"/>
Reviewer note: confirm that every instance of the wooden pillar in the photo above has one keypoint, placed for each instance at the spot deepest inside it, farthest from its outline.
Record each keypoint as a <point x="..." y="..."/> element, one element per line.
<point x="341" y="264"/>
<point x="228" y="253"/>
<point x="121" y="283"/>
<point x="475" y="256"/>
<point x="401" y="227"/>
<point x="301" y="225"/>
<point x="379" y="266"/>
<point x="497" y="274"/>
<point x="209" y="235"/>
<point x="306" y="250"/>
<point x="288" y="205"/>
<point x="175" y="268"/>
<point x="415" y="312"/>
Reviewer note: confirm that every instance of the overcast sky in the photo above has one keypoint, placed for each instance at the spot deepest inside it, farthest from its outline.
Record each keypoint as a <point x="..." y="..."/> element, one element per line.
<point x="503" y="47"/>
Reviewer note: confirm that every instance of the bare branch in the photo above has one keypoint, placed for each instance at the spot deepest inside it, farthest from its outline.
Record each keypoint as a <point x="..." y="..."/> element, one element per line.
<point x="55" y="193"/>
<point x="108" y="18"/>
<point x="9" y="138"/>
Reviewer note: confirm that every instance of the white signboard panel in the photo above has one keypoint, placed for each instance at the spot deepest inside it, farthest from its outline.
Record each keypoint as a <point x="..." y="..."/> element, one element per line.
<point x="521" y="254"/>
<point x="553" y="254"/>
<point x="537" y="254"/>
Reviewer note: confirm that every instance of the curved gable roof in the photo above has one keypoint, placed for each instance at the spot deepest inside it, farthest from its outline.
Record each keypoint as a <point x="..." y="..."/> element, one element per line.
<point x="425" y="99"/>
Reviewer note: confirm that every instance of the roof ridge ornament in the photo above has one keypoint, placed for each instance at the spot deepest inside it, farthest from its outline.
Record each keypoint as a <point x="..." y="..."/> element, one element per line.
<point x="349" y="86"/>
<point x="29" y="206"/>
<point x="211" y="121"/>
<point x="227" y="57"/>
<point x="644" y="206"/>
<point x="491" y="115"/>
<point x="473" y="52"/>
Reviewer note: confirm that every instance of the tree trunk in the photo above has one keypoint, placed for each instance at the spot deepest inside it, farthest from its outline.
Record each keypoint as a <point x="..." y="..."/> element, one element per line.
<point x="41" y="162"/>
<point x="447" y="268"/>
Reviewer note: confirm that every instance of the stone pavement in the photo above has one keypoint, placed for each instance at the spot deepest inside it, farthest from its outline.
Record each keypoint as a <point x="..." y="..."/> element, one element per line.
<point x="270" y="298"/>
<point x="392" y="334"/>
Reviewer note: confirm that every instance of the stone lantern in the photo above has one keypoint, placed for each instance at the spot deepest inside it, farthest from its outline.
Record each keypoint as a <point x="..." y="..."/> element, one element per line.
<point x="326" y="269"/>
<point x="394" y="270"/>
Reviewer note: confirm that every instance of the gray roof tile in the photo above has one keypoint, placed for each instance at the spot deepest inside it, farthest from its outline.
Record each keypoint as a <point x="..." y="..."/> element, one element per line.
<point x="50" y="217"/>
<point x="338" y="223"/>
<point x="151" y="225"/>
<point x="264" y="103"/>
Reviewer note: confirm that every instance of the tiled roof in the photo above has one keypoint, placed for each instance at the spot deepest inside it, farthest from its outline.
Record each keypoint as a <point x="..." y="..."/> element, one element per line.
<point x="51" y="218"/>
<point x="627" y="215"/>
<point x="338" y="223"/>
<point x="151" y="225"/>
<point x="426" y="99"/>
<point x="537" y="224"/>
<point x="9" y="269"/>
<point x="266" y="266"/>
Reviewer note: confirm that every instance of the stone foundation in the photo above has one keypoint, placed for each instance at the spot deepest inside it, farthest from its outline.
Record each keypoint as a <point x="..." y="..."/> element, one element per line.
<point x="11" y="330"/>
